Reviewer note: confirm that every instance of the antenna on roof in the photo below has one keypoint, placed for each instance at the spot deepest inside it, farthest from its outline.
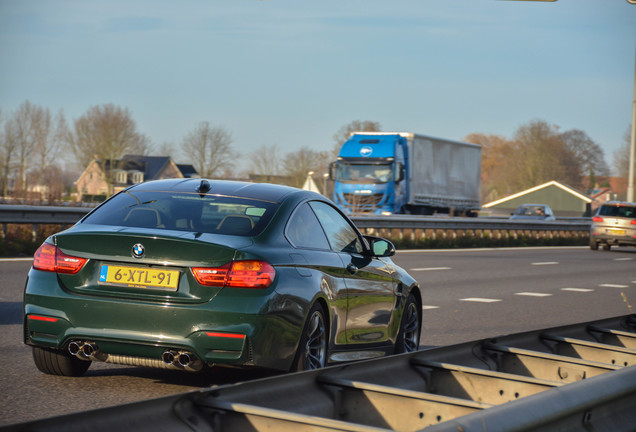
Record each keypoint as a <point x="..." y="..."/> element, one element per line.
<point x="204" y="187"/>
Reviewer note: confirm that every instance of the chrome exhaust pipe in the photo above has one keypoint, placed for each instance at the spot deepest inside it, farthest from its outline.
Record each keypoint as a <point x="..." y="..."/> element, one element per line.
<point x="89" y="349"/>
<point x="74" y="348"/>
<point x="185" y="359"/>
<point x="169" y="357"/>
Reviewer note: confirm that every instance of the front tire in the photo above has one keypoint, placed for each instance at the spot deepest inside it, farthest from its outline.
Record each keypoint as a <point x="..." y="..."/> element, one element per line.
<point x="312" y="350"/>
<point x="56" y="362"/>
<point x="607" y="246"/>
<point x="408" y="339"/>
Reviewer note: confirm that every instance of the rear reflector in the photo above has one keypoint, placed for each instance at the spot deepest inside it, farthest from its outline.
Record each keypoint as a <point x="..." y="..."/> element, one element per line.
<point x="50" y="258"/>
<point x="42" y="318"/>
<point x="226" y="335"/>
<point x="237" y="274"/>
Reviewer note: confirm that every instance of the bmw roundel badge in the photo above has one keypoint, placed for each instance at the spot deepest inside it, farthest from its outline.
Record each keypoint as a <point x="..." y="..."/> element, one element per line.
<point x="138" y="250"/>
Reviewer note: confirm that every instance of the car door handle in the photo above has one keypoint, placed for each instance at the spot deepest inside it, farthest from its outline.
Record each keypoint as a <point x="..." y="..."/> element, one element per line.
<point x="352" y="269"/>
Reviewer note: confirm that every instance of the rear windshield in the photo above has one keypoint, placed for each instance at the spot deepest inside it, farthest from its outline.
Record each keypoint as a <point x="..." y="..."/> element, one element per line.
<point x="618" y="211"/>
<point x="185" y="212"/>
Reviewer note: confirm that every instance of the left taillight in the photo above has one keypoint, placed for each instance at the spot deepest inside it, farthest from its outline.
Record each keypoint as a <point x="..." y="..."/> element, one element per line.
<point x="237" y="274"/>
<point x="50" y="258"/>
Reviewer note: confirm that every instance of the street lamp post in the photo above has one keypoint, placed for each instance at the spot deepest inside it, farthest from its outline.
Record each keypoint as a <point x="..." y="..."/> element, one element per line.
<point x="630" y="175"/>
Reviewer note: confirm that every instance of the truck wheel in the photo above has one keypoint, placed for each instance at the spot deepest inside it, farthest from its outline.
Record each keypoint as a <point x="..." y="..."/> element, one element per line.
<point x="312" y="350"/>
<point x="57" y="362"/>
<point x="607" y="246"/>
<point x="408" y="339"/>
<point x="593" y="245"/>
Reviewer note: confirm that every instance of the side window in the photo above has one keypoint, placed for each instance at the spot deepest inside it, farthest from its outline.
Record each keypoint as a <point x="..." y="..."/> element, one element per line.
<point x="342" y="236"/>
<point x="303" y="230"/>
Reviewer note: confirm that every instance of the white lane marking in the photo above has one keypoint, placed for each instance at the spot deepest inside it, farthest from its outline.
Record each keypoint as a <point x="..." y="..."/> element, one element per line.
<point x="431" y="268"/>
<point x="577" y="289"/>
<point x="480" y="300"/>
<point x="613" y="286"/>
<point x="545" y="263"/>
<point x="425" y="307"/>
<point x="533" y="294"/>
<point x="623" y="259"/>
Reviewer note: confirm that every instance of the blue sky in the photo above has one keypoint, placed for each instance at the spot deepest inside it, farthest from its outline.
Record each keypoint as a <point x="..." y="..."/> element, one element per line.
<point x="292" y="72"/>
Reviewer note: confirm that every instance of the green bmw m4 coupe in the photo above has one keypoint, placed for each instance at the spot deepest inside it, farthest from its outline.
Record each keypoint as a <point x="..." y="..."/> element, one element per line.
<point x="188" y="273"/>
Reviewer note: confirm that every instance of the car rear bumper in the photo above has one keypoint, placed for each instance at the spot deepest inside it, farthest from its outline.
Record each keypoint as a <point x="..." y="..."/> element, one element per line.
<point x="222" y="331"/>
<point x="604" y="235"/>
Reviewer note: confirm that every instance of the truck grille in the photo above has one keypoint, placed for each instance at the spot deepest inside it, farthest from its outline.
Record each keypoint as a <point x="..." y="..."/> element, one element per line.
<point x="363" y="200"/>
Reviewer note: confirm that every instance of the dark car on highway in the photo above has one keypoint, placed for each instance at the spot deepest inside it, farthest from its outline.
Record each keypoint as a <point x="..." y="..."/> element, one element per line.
<point x="533" y="212"/>
<point x="614" y="224"/>
<point x="188" y="273"/>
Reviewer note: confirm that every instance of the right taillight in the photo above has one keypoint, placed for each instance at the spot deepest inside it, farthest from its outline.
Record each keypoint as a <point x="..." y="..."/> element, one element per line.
<point x="237" y="274"/>
<point x="633" y="222"/>
<point x="50" y="258"/>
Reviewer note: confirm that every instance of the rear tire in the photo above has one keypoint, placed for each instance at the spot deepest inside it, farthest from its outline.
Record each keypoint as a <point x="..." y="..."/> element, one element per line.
<point x="312" y="349"/>
<point x="593" y="245"/>
<point x="57" y="362"/>
<point x="408" y="339"/>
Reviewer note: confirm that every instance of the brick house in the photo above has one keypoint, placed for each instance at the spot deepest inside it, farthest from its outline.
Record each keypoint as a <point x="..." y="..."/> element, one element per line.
<point x="131" y="169"/>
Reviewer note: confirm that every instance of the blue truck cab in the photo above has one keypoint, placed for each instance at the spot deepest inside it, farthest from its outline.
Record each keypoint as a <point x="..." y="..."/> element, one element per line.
<point x="369" y="174"/>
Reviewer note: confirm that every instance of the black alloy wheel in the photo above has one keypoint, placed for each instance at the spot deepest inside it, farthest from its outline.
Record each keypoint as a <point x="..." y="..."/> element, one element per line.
<point x="409" y="336"/>
<point x="312" y="351"/>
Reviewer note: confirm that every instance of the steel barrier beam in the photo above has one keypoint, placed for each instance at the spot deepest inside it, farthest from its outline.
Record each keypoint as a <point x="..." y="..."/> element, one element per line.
<point x="523" y="382"/>
<point x="22" y="214"/>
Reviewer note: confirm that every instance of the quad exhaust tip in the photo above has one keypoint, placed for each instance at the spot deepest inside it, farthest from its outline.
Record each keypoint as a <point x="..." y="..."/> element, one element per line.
<point x="180" y="359"/>
<point x="170" y="358"/>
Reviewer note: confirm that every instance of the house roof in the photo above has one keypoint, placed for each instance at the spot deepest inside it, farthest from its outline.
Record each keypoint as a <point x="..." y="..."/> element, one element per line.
<point x="187" y="170"/>
<point x="536" y="188"/>
<point x="151" y="166"/>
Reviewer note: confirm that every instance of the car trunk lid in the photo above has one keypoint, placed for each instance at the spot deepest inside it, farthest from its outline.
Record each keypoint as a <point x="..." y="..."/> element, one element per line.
<point x="137" y="263"/>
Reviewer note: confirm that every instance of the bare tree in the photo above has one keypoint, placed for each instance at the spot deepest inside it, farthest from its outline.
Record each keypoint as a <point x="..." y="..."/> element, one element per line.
<point x="496" y="151"/>
<point x="7" y="151"/>
<point x="47" y="136"/>
<point x="209" y="149"/>
<point x="266" y="160"/>
<point x="105" y="133"/>
<point x="355" y="126"/>
<point x="23" y="138"/>
<point x="298" y="164"/>
<point x="541" y="155"/>
<point x="167" y="149"/>
<point x="588" y="154"/>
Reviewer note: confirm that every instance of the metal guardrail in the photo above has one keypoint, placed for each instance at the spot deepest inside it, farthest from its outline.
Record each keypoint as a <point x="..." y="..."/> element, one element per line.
<point x="26" y="214"/>
<point x="409" y="227"/>
<point x="568" y="378"/>
<point x="425" y="222"/>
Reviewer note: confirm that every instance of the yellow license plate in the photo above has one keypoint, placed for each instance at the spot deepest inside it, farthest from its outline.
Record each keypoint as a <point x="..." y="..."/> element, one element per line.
<point x="139" y="277"/>
<point x="616" y="231"/>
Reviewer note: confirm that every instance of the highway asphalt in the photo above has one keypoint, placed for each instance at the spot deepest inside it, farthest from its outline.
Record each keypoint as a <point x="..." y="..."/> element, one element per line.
<point x="468" y="295"/>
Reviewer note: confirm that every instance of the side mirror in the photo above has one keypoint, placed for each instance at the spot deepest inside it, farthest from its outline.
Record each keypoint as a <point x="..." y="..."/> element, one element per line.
<point x="380" y="247"/>
<point x="332" y="170"/>
<point x="399" y="172"/>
